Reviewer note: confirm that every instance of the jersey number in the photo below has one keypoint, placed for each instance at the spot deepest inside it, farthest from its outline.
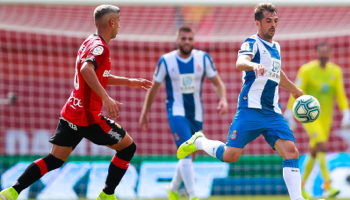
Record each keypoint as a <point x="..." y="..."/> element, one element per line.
<point x="76" y="76"/>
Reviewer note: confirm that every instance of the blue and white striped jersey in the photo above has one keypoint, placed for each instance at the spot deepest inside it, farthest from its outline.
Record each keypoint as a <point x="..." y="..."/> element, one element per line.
<point x="184" y="79"/>
<point x="261" y="92"/>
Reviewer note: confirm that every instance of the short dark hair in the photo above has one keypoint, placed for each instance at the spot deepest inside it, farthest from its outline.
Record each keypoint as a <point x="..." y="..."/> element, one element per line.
<point x="184" y="29"/>
<point x="322" y="44"/>
<point x="102" y="10"/>
<point x="261" y="7"/>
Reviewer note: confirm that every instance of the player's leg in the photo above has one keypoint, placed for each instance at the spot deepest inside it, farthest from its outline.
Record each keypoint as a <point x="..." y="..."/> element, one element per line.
<point x="175" y="184"/>
<point x="112" y="135"/>
<point x="241" y="132"/>
<point x="321" y="151"/>
<point x="313" y="130"/>
<point x="291" y="172"/>
<point x="126" y="149"/>
<point x="181" y="128"/>
<point x="307" y="171"/>
<point x="280" y="137"/>
<point x="64" y="141"/>
<point x="214" y="148"/>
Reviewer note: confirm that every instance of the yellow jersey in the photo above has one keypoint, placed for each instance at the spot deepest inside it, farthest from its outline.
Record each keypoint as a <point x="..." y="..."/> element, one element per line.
<point x="325" y="84"/>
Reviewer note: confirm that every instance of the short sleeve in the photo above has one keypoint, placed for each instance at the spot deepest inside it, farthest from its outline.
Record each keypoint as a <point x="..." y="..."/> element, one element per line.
<point x="160" y="73"/>
<point x="248" y="47"/>
<point x="209" y="66"/>
<point x="96" y="55"/>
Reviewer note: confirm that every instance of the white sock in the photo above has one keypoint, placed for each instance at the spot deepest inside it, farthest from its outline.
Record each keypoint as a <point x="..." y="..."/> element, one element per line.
<point x="292" y="178"/>
<point x="209" y="146"/>
<point x="187" y="174"/>
<point x="177" y="179"/>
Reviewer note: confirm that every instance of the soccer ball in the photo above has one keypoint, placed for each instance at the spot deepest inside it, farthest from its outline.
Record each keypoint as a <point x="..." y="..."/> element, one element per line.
<point x="306" y="109"/>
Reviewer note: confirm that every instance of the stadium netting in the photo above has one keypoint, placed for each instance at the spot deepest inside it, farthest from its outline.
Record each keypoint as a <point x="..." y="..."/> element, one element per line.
<point x="39" y="45"/>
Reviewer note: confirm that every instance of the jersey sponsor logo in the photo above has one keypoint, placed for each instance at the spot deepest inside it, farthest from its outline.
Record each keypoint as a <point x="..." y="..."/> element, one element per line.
<point x="98" y="50"/>
<point x="187" y="83"/>
<point x="106" y="73"/>
<point x="274" y="74"/>
<point x="325" y="87"/>
<point x="75" y="102"/>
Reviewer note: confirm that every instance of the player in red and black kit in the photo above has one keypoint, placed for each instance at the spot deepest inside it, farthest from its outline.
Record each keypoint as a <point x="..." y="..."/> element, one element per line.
<point x="81" y="115"/>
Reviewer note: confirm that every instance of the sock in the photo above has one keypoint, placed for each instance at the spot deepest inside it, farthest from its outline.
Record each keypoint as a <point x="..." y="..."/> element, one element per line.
<point x="36" y="170"/>
<point x="214" y="148"/>
<point x="119" y="164"/>
<point x="177" y="179"/>
<point x="292" y="178"/>
<point x="321" y="158"/>
<point x="308" y="168"/>
<point x="187" y="174"/>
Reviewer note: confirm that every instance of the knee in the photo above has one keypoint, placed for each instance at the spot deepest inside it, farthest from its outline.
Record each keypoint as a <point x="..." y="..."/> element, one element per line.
<point x="128" y="152"/>
<point x="231" y="157"/>
<point x="52" y="162"/>
<point x="292" y="153"/>
<point x="321" y="147"/>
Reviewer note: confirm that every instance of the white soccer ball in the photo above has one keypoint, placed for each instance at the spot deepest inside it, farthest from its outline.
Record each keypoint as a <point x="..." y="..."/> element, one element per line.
<point x="306" y="109"/>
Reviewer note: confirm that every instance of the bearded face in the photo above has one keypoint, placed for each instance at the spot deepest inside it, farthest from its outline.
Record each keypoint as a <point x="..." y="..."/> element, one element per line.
<point x="185" y="42"/>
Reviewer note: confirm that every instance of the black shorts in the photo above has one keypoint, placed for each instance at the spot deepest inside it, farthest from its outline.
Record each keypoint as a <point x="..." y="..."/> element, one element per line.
<point x="106" y="132"/>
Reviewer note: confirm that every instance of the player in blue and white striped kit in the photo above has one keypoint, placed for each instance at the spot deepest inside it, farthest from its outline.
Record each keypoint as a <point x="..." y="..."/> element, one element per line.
<point x="184" y="71"/>
<point x="258" y="110"/>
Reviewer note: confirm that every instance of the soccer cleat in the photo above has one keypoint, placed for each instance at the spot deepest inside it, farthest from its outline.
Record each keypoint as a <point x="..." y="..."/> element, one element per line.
<point x="195" y="198"/>
<point x="172" y="195"/>
<point x="188" y="147"/>
<point x="9" y="194"/>
<point x="305" y="194"/>
<point x="104" y="196"/>
<point x="331" y="192"/>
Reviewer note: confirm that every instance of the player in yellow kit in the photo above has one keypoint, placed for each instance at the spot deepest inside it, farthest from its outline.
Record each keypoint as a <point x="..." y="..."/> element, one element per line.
<point x="323" y="80"/>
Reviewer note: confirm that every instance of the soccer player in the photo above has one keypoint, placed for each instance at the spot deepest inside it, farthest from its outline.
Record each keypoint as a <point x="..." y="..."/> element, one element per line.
<point x="184" y="70"/>
<point x="323" y="80"/>
<point x="258" y="110"/>
<point x="81" y="115"/>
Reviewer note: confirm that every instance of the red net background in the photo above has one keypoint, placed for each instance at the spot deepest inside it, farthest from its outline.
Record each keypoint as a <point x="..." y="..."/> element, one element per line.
<point x="38" y="46"/>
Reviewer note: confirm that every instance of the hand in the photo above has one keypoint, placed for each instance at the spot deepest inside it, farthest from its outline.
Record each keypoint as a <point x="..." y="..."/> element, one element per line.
<point x="222" y="107"/>
<point x="345" y="122"/>
<point x="288" y="114"/>
<point x="259" y="70"/>
<point x="140" y="83"/>
<point x="143" y="122"/>
<point x="112" y="107"/>
<point x="297" y="93"/>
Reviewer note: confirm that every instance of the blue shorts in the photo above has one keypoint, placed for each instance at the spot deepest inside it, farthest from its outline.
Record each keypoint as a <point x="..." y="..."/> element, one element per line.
<point x="249" y="123"/>
<point x="183" y="128"/>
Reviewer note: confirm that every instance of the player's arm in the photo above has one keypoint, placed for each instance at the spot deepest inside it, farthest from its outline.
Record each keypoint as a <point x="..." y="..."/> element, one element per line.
<point x="221" y="92"/>
<point x="158" y="78"/>
<point x="150" y="97"/>
<point x="139" y="83"/>
<point x="342" y="100"/>
<point x="244" y="63"/>
<point x="90" y="77"/>
<point x="288" y="114"/>
<point x="290" y="86"/>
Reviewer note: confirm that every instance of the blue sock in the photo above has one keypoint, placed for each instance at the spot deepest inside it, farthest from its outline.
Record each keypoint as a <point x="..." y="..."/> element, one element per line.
<point x="294" y="163"/>
<point x="220" y="152"/>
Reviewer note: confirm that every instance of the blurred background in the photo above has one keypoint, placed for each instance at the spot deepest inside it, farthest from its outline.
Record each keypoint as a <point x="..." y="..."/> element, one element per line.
<point x="39" y="41"/>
